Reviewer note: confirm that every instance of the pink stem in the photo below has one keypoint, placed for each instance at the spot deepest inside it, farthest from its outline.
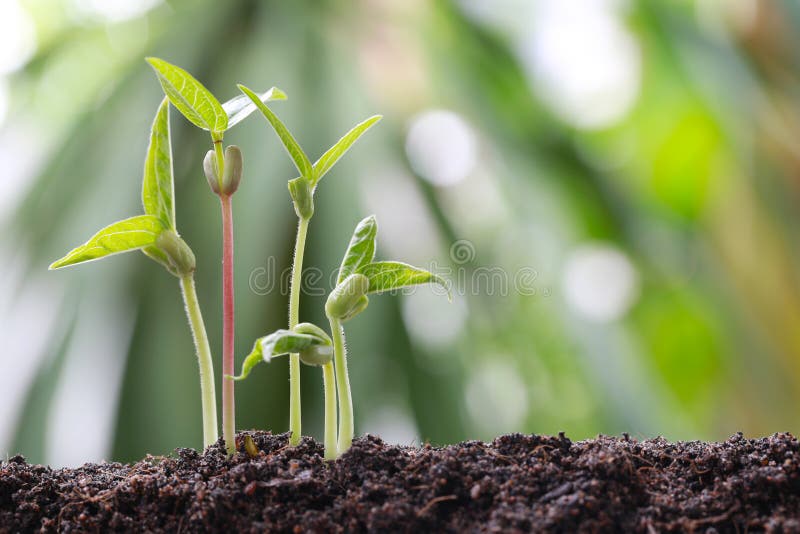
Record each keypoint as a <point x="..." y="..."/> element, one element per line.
<point x="228" y="406"/>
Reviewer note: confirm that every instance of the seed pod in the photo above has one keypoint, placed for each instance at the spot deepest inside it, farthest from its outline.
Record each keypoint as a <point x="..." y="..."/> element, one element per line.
<point x="360" y="305"/>
<point x="348" y="298"/>
<point x="210" y="170"/>
<point x="180" y="256"/>
<point x="232" y="174"/>
<point x="303" y="197"/>
<point x="317" y="354"/>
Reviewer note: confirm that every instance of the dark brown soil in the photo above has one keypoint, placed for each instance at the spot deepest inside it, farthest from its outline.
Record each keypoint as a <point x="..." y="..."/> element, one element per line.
<point x="515" y="483"/>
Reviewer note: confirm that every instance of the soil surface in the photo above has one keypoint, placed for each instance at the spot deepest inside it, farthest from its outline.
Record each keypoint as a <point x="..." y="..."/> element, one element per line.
<point x="515" y="483"/>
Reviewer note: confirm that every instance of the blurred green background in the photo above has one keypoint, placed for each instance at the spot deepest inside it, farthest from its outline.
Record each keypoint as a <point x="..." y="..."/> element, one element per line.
<point x="613" y="187"/>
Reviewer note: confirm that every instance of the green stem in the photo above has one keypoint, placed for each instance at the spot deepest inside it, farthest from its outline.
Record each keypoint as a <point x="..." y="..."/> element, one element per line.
<point x="295" y="414"/>
<point x="330" y="411"/>
<point x="346" y="427"/>
<point x="220" y="160"/>
<point x="207" y="391"/>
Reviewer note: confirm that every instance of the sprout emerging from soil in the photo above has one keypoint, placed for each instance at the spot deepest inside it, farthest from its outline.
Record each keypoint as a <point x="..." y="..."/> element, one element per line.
<point x="155" y="234"/>
<point x="314" y="347"/>
<point x="223" y="171"/>
<point x="302" y="190"/>
<point x="358" y="277"/>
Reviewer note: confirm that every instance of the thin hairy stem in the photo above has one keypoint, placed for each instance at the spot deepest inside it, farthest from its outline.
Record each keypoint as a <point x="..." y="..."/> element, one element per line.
<point x="346" y="427"/>
<point x="207" y="389"/>
<point x="328" y="380"/>
<point x="295" y="413"/>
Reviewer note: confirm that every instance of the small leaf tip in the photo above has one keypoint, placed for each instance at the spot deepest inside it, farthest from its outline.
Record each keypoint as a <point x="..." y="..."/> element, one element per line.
<point x="278" y="94"/>
<point x="436" y="279"/>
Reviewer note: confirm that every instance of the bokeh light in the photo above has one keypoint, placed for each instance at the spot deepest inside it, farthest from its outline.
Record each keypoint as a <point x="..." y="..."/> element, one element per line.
<point x="441" y="147"/>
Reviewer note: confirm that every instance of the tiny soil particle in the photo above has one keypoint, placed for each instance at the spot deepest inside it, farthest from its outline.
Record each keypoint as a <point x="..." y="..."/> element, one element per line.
<point x="514" y="484"/>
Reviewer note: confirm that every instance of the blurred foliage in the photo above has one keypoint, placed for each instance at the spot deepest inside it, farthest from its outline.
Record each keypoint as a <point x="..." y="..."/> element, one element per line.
<point x="695" y="186"/>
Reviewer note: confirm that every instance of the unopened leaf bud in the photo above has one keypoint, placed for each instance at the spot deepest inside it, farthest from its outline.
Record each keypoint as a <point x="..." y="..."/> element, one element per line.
<point x="348" y="298"/>
<point x="303" y="197"/>
<point x="179" y="255"/>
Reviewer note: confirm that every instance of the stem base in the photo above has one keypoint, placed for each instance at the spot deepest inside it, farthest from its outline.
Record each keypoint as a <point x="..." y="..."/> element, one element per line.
<point x="346" y="426"/>
<point x="207" y="388"/>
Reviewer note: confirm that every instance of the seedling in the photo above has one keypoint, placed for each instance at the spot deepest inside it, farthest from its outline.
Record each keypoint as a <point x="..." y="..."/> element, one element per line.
<point x="302" y="190"/>
<point x="358" y="277"/>
<point x="223" y="171"/>
<point x="314" y="347"/>
<point x="155" y="234"/>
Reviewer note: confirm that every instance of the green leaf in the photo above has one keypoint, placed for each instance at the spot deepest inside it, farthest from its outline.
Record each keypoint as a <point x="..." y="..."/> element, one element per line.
<point x="190" y="97"/>
<point x="122" y="236"/>
<point x="391" y="275"/>
<point x="240" y="107"/>
<point x="361" y="249"/>
<point x="329" y="158"/>
<point x="278" y="343"/>
<point x="253" y="359"/>
<point x="299" y="157"/>
<point x="158" y="191"/>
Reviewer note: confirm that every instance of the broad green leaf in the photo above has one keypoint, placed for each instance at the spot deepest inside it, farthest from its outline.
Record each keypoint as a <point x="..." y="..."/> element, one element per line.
<point x="158" y="191"/>
<point x="122" y="236"/>
<point x="329" y="158"/>
<point x="190" y="97"/>
<point x="313" y="330"/>
<point x="240" y="107"/>
<point x="276" y="344"/>
<point x="287" y="341"/>
<point x="361" y="249"/>
<point x="391" y="275"/>
<point x="299" y="157"/>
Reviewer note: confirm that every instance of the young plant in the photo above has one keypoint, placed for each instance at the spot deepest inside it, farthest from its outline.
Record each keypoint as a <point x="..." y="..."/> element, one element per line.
<point x="314" y="347"/>
<point x="223" y="170"/>
<point x="302" y="191"/>
<point x="358" y="277"/>
<point x="155" y="234"/>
